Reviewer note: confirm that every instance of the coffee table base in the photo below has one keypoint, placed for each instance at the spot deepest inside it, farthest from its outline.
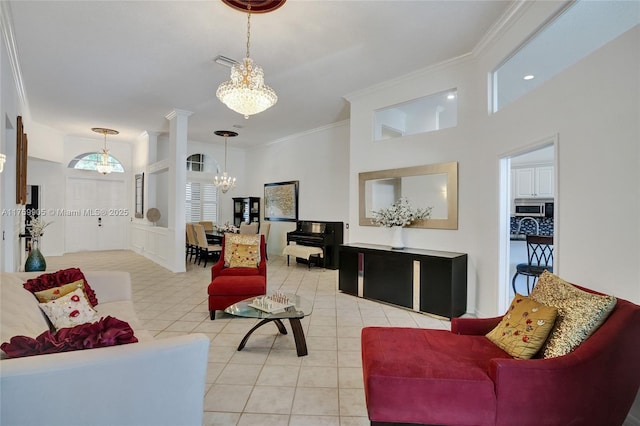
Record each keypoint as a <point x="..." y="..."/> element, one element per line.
<point x="296" y="327"/>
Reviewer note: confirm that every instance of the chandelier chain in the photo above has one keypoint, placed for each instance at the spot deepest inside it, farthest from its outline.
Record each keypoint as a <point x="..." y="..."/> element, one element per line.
<point x="248" y="27"/>
<point x="225" y="153"/>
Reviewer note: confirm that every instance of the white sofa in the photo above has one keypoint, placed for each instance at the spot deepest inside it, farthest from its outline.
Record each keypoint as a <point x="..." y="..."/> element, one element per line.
<point x="152" y="382"/>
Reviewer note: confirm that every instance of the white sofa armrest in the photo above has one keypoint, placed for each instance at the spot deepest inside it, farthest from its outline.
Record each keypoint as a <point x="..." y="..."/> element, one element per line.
<point x="159" y="382"/>
<point x="110" y="286"/>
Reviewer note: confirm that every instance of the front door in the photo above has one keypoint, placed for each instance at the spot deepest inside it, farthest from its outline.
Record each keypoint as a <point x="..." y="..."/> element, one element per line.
<point x="96" y="215"/>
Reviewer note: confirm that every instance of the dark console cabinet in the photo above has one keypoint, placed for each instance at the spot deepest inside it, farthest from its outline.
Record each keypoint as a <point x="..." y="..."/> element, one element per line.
<point x="423" y="280"/>
<point x="246" y="210"/>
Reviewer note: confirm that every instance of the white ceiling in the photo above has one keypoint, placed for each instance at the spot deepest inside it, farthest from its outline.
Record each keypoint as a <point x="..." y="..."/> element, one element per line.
<point x="126" y="64"/>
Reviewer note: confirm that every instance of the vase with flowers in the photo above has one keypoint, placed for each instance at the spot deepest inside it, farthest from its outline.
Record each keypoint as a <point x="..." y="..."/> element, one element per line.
<point x="397" y="216"/>
<point x="35" y="260"/>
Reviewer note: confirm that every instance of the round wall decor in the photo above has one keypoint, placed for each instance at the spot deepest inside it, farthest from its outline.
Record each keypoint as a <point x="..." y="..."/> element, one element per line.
<point x="153" y="215"/>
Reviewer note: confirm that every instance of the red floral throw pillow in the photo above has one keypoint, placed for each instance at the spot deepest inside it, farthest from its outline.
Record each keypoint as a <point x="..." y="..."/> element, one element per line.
<point x="107" y="331"/>
<point x="56" y="279"/>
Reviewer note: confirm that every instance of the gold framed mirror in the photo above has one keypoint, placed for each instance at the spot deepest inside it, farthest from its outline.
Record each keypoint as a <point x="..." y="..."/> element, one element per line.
<point x="432" y="185"/>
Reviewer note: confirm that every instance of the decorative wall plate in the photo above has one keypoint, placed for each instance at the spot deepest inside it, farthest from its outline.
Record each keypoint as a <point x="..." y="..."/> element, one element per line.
<point x="153" y="215"/>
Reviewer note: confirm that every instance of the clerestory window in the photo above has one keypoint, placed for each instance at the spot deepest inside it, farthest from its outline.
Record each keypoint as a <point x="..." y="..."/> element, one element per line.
<point x="580" y="29"/>
<point x="90" y="160"/>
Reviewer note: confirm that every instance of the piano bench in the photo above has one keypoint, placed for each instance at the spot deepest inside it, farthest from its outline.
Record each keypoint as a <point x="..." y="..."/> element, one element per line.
<point x="303" y="252"/>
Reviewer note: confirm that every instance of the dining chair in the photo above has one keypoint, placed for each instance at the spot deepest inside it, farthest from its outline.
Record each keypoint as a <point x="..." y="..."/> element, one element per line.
<point x="540" y="258"/>
<point x="208" y="225"/>
<point x="205" y="250"/>
<point x="264" y="229"/>
<point x="249" y="228"/>
<point x="191" y="246"/>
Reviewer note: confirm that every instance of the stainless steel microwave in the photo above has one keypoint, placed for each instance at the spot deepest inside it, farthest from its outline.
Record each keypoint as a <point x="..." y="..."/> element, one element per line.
<point x="534" y="207"/>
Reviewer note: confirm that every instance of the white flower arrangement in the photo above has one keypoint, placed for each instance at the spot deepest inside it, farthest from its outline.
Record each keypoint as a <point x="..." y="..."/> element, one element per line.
<point x="36" y="226"/>
<point x="400" y="213"/>
<point x="228" y="227"/>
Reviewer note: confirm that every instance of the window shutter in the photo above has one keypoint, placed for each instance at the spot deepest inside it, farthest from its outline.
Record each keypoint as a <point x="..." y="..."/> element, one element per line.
<point x="201" y="202"/>
<point x="209" y="202"/>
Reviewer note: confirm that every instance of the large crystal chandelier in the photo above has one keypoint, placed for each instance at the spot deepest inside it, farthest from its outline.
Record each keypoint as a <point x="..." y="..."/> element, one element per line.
<point x="225" y="182"/>
<point x="246" y="92"/>
<point x="104" y="166"/>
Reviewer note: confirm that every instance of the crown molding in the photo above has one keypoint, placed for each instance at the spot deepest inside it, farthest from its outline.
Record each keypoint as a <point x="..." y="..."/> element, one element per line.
<point x="407" y="77"/>
<point x="8" y="34"/>
<point x="500" y="27"/>
<point x="305" y="133"/>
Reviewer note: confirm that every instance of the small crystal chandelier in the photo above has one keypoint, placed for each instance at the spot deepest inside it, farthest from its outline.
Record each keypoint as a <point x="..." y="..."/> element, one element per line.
<point x="104" y="166"/>
<point x="246" y="92"/>
<point x="225" y="182"/>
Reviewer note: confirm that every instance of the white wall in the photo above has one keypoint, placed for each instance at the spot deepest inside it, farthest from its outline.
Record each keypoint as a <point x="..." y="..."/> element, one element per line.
<point x="45" y="143"/>
<point x="319" y="160"/>
<point x="593" y="108"/>
<point x="10" y="108"/>
<point x="50" y="177"/>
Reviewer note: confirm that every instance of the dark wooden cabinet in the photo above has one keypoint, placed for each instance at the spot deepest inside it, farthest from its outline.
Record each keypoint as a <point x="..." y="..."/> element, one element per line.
<point x="423" y="280"/>
<point x="246" y="209"/>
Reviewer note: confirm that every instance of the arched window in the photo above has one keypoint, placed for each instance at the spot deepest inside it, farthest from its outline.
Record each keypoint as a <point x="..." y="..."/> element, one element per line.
<point x="89" y="161"/>
<point x="201" y="163"/>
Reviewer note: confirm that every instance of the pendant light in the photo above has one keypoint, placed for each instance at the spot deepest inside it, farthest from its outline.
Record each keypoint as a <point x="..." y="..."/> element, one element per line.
<point x="104" y="166"/>
<point x="245" y="92"/>
<point x="225" y="182"/>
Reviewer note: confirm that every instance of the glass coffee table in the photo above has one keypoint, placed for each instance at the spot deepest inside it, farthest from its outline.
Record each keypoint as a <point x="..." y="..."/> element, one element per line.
<point x="298" y="309"/>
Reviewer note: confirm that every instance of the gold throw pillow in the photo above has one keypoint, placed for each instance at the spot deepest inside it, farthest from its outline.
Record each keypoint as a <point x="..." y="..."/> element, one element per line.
<point x="579" y="313"/>
<point x="524" y="328"/>
<point x="244" y="256"/>
<point x="57" y="292"/>
<point x="231" y="239"/>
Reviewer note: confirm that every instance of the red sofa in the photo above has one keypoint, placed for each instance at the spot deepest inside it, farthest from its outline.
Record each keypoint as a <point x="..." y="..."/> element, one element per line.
<point x="231" y="285"/>
<point x="437" y="377"/>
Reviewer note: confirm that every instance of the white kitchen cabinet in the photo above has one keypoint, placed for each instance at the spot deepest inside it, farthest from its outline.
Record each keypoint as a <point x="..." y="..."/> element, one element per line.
<point x="534" y="182"/>
<point x="544" y="182"/>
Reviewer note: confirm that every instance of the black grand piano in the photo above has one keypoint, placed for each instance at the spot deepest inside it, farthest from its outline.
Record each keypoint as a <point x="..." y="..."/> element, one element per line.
<point x="326" y="235"/>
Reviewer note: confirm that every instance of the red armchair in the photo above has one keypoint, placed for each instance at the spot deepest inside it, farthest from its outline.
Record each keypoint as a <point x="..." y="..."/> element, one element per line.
<point x="231" y="285"/>
<point x="422" y="376"/>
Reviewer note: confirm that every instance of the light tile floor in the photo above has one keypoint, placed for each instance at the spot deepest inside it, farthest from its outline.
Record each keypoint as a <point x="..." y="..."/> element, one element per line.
<point x="266" y="383"/>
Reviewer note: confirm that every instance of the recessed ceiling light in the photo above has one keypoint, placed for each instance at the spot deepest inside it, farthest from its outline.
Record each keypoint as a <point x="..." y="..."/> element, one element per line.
<point x="451" y="96"/>
<point x="528" y="77"/>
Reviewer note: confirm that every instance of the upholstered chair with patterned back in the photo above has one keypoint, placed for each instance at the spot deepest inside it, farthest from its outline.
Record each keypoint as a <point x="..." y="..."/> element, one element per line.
<point x="240" y="273"/>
